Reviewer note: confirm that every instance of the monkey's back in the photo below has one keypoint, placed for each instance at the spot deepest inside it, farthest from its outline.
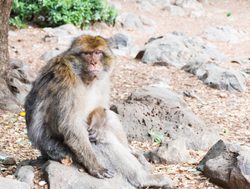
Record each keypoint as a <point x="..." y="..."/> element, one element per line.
<point x="49" y="97"/>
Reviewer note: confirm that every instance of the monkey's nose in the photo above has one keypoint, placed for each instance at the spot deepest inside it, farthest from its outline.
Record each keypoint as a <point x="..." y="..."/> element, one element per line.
<point x="93" y="63"/>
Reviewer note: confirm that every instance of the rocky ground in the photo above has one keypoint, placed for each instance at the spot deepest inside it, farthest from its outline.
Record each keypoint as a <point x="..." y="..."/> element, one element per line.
<point x="225" y="111"/>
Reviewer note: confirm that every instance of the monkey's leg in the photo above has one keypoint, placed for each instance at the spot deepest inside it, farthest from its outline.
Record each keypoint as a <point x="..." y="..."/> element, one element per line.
<point x="124" y="162"/>
<point x="80" y="145"/>
<point x="54" y="149"/>
<point x="114" y="125"/>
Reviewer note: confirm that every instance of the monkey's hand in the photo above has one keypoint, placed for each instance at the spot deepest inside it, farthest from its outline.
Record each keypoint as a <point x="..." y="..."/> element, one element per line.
<point x="102" y="173"/>
<point x="96" y="133"/>
<point x="97" y="122"/>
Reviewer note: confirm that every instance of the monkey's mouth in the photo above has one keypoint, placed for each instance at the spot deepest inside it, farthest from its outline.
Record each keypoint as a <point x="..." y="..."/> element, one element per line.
<point x="94" y="68"/>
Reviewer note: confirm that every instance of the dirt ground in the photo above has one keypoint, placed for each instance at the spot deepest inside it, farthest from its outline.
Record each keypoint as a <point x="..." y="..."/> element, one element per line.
<point x="226" y="112"/>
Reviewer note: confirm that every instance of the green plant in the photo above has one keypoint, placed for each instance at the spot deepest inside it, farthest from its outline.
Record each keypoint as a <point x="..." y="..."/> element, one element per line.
<point x="58" y="12"/>
<point x="229" y="14"/>
<point x="156" y="137"/>
<point x="17" y="22"/>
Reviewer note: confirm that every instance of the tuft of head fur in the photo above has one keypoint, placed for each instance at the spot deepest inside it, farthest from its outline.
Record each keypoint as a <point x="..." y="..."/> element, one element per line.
<point x="88" y="43"/>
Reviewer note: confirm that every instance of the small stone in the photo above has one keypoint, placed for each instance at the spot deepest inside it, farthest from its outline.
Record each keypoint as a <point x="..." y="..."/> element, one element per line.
<point x="6" y="159"/>
<point x="26" y="174"/>
<point x="22" y="114"/>
<point x="223" y="95"/>
<point x="42" y="183"/>
<point x="8" y="183"/>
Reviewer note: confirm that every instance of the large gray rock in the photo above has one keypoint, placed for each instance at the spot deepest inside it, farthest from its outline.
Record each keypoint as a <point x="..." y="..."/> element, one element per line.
<point x="26" y="174"/>
<point x="69" y="177"/>
<point x="170" y="152"/>
<point x="129" y="171"/>
<point x="7" y="183"/>
<point x="7" y="100"/>
<point x="6" y="159"/>
<point x="144" y="5"/>
<point x="65" y="34"/>
<point x="218" y="77"/>
<point x="164" y="112"/>
<point x="227" y="165"/>
<point x="51" y="54"/>
<point x="121" y="44"/>
<point x="175" y="7"/>
<point x="132" y="21"/>
<point x="225" y="34"/>
<point x="178" y="49"/>
<point x="63" y="30"/>
<point x="175" y="10"/>
<point x="19" y="79"/>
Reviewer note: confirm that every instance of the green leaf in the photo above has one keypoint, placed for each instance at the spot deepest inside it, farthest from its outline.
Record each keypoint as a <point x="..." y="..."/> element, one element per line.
<point x="156" y="137"/>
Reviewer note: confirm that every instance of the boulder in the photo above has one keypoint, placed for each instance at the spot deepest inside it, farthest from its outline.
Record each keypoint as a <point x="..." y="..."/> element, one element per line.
<point x="65" y="34"/>
<point x="26" y="174"/>
<point x="227" y="165"/>
<point x="132" y="21"/>
<point x="7" y="183"/>
<point x="121" y="45"/>
<point x="119" y="40"/>
<point x="19" y="79"/>
<point x="224" y="34"/>
<point x="175" y="7"/>
<point x="7" y="100"/>
<point x="170" y="152"/>
<point x="178" y="49"/>
<point x="160" y="110"/>
<point x="51" y="54"/>
<point x="67" y="177"/>
<point x="175" y="10"/>
<point x="6" y="159"/>
<point x="218" y="77"/>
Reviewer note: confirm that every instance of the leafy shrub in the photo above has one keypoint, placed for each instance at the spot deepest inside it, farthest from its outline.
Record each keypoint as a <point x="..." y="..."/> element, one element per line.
<point x="58" y="12"/>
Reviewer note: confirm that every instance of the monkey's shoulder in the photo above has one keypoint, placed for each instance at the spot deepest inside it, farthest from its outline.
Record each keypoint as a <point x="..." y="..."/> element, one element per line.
<point x="61" y="69"/>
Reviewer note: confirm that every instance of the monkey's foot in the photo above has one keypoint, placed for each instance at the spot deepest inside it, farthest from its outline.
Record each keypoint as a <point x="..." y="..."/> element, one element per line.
<point x="67" y="161"/>
<point x="102" y="173"/>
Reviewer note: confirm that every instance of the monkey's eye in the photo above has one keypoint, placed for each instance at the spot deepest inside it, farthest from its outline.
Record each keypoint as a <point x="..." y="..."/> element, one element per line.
<point x="98" y="52"/>
<point x="85" y="53"/>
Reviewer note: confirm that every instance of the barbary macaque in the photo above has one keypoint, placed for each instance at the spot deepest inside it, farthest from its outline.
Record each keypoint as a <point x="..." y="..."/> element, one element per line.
<point x="68" y="116"/>
<point x="69" y="87"/>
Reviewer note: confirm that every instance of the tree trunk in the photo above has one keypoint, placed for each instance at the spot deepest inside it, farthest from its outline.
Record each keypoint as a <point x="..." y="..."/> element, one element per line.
<point x="7" y="100"/>
<point x="5" y="7"/>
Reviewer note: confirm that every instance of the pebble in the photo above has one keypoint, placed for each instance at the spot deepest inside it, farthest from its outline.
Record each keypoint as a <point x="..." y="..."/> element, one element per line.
<point x="42" y="183"/>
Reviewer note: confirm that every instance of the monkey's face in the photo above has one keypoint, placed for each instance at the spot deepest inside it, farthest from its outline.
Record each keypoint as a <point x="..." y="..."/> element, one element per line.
<point x="93" y="63"/>
<point x="94" y="54"/>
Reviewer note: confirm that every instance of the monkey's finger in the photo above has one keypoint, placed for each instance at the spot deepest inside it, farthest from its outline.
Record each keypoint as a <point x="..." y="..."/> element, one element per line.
<point x="109" y="174"/>
<point x="100" y="176"/>
<point x="90" y="127"/>
<point x="92" y="140"/>
<point x="92" y="131"/>
<point x="93" y="135"/>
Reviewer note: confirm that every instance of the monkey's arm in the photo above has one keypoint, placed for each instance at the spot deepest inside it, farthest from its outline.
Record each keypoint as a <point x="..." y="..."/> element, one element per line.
<point x="77" y="140"/>
<point x="74" y="131"/>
